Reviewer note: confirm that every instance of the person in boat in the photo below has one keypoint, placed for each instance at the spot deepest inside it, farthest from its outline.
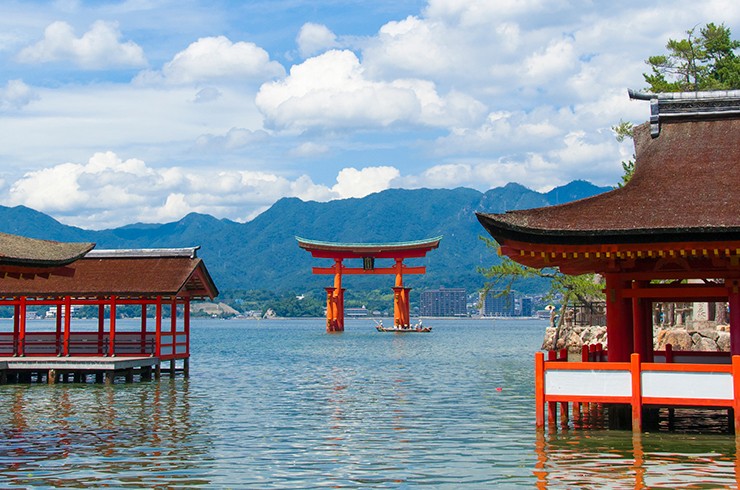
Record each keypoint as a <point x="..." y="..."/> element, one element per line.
<point x="419" y="326"/>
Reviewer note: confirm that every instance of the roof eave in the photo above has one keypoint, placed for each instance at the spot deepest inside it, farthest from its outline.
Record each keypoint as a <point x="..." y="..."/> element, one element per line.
<point x="502" y="230"/>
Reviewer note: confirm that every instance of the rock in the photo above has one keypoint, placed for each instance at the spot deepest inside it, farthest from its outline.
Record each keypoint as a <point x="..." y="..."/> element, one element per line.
<point x="678" y="338"/>
<point x="549" y="338"/>
<point x="710" y="334"/>
<point x="723" y="341"/>
<point x="574" y="342"/>
<point x="704" y="345"/>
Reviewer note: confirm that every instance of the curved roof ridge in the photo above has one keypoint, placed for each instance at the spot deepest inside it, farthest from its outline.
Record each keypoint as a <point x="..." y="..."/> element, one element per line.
<point x="413" y="243"/>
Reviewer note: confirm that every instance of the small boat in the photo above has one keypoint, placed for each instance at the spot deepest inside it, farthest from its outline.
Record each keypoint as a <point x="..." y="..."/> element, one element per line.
<point x="403" y="330"/>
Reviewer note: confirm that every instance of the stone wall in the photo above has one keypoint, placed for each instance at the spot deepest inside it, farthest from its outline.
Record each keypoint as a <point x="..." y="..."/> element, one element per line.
<point x="707" y="339"/>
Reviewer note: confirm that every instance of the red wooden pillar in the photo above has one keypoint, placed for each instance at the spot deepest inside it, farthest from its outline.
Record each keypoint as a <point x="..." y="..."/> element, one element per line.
<point x="16" y="327"/>
<point x="552" y="407"/>
<point x="636" y="393"/>
<point x="59" y="332"/>
<point x="733" y="293"/>
<point x="186" y="324"/>
<point x="399" y="306"/>
<point x="736" y="389"/>
<point x="330" y="310"/>
<point x="399" y="319"/>
<point x="539" y="390"/>
<point x="22" y="327"/>
<point x="618" y="320"/>
<point x="340" y="310"/>
<point x="173" y="326"/>
<point x="113" y="326"/>
<point x="640" y="323"/>
<point x="101" y="325"/>
<point x="406" y="306"/>
<point x="158" y="332"/>
<point x="143" y="329"/>
<point x="67" y="322"/>
<point x="338" y="298"/>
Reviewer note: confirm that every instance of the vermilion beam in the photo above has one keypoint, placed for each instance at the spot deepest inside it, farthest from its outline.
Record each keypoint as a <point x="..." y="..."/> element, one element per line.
<point x="360" y="271"/>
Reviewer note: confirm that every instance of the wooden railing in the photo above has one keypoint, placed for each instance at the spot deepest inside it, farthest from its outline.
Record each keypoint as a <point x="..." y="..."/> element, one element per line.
<point x="80" y="344"/>
<point x="635" y="383"/>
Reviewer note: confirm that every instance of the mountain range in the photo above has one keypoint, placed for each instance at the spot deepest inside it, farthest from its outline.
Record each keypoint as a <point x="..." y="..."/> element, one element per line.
<point x="263" y="253"/>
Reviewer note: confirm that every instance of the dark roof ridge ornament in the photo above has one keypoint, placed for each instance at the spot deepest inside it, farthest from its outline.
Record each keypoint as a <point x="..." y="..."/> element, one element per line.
<point x="690" y="105"/>
<point x="131" y="253"/>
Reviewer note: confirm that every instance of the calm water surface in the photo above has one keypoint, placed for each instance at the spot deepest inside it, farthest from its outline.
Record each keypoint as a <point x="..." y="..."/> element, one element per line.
<point x="282" y="404"/>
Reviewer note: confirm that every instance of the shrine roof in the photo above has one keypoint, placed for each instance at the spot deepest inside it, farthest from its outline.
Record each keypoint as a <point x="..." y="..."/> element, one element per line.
<point x="368" y="248"/>
<point x="686" y="185"/>
<point x="18" y="251"/>
<point x="167" y="272"/>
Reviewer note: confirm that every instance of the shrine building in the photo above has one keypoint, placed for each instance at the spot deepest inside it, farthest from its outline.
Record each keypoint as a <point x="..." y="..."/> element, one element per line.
<point x="62" y="277"/>
<point x="671" y="234"/>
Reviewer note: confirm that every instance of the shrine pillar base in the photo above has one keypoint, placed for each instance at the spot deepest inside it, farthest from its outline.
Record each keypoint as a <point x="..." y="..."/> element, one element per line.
<point x="401" y="316"/>
<point x="334" y="310"/>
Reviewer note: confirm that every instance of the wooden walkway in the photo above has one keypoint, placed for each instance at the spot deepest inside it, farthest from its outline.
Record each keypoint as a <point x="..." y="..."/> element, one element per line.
<point x="76" y="369"/>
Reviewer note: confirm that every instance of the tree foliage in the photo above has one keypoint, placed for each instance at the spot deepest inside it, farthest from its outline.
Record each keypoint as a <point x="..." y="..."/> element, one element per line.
<point x="702" y="61"/>
<point x="291" y="305"/>
<point x="570" y="289"/>
<point x="625" y="130"/>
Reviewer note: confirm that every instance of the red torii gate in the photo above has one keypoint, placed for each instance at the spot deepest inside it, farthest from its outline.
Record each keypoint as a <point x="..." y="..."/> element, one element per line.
<point x="368" y="252"/>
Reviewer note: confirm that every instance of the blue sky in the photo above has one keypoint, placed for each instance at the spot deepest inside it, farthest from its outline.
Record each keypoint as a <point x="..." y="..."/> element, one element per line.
<point x="145" y="110"/>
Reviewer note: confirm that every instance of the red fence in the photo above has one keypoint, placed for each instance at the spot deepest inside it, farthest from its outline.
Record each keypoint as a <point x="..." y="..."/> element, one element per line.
<point x="635" y="383"/>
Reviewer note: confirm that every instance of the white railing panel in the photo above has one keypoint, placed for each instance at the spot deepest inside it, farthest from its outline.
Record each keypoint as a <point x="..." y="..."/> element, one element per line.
<point x="677" y="384"/>
<point x="588" y="383"/>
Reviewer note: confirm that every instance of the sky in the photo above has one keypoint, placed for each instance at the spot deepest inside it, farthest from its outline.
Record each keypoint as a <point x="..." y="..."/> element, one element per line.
<point x="120" y="112"/>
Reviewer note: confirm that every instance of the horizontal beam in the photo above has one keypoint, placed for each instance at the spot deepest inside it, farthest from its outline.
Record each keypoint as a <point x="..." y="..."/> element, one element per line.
<point x="687" y="292"/>
<point x="359" y="271"/>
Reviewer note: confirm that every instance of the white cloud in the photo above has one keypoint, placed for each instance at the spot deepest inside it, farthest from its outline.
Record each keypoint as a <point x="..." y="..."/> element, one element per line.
<point x="215" y="58"/>
<point x="234" y="139"/>
<point x="359" y="183"/>
<point x="16" y="94"/>
<point x="331" y="91"/>
<point x="558" y="57"/>
<point x="315" y="38"/>
<point x="108" y="192"/>
<point x="411" y="46"/>
<point x="309" y="150"/>
<point x="97" y="49"/>
<point x="208" y="94"/>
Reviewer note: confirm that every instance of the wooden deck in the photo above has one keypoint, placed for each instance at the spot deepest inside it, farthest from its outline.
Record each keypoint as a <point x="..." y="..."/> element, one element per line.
<point x="63" y="369"/>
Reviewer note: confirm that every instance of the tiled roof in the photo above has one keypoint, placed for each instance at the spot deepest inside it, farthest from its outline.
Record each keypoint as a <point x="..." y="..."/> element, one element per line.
<point x="686" y="187"/>
<point x="20" y="251"/>
<point x="122" y="276"/>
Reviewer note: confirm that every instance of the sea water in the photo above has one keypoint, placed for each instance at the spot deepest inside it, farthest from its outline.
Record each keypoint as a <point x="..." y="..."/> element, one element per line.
<point x="283" y="404"/>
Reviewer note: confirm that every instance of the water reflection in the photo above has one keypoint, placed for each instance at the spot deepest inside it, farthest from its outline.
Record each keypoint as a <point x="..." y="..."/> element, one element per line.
<point x="139" y="436"/>
<point x="623" y="460"/>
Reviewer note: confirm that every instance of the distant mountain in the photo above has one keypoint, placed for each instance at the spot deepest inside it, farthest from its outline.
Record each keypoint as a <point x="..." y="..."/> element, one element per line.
<point x="263" y="253"/>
